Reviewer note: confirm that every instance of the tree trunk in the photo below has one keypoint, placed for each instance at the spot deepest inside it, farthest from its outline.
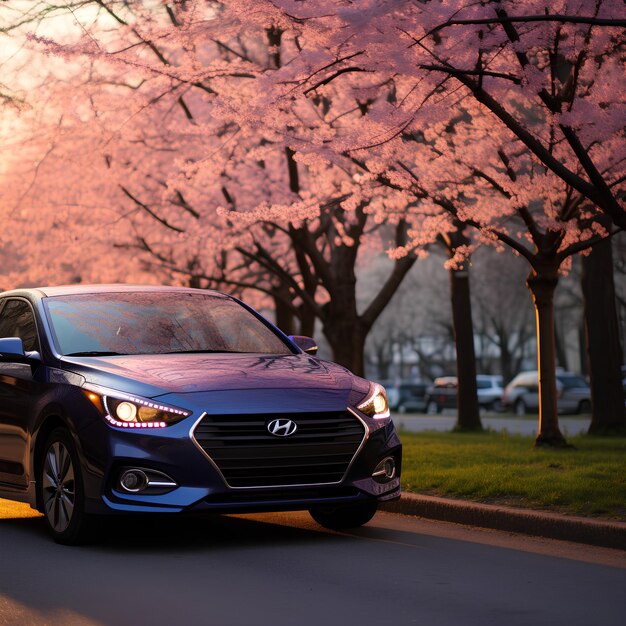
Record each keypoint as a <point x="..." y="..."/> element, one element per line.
<point x="347" y="341"/>
<point x="561" y="353"/>
<point x="307" y="321"/>
<point x="284" y="316"/>
<point x="542" y="286"/>
<point x="506" y="366"/>
<point x="468" y="416"/>
<point x="342" y="326"/>
<point x="603" y="343"/>
<point x="582" y="347"/>
<point x="384" y="357"/>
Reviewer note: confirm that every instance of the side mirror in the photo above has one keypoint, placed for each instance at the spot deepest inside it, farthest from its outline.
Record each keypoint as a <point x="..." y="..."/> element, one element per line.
<point x="12" y="349"/>
<point x="306" y="344"/>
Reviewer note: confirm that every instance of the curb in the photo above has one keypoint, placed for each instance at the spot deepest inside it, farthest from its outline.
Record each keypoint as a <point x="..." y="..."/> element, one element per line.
<point x="607" y="534"/>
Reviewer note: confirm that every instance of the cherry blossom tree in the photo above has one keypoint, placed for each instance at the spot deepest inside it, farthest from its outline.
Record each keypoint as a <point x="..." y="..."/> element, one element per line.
<point x="359" y="97"/>
<point x="521" y="206"/>
<point x="213" y="196"/>
<point x="548" y="75"/>
<point x="551" y="73"/>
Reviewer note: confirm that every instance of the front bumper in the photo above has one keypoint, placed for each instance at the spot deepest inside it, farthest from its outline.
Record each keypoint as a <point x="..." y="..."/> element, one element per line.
<point x="105" y="450"/>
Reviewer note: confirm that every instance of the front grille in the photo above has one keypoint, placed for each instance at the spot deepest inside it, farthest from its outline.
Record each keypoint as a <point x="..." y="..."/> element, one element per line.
<point x="247" y="455"/>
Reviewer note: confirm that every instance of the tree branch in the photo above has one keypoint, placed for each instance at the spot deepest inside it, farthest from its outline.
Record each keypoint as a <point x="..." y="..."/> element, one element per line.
<point x="329" y="79"/>
<point x="458" y="72"/>
<point x="149" y="211"/>
<point x="512" y="19"/>
<point x="400" y="269"/>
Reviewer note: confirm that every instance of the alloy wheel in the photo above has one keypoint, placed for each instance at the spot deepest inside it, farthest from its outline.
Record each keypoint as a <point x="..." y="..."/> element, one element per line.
<point x="59" y="487"/>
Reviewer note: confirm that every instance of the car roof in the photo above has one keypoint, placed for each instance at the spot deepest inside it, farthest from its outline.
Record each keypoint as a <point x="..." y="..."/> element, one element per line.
<point x="444" y="380"/>
<point x="70" y="290"/>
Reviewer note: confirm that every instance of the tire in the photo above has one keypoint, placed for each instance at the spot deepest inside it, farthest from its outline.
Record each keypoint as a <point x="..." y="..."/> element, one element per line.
<point x="61" y="493"/>
<point x="520" y="408"/>
<point x="432" y="408"/>
<point x="346" y="516"/>
<point x="584" y="406"/>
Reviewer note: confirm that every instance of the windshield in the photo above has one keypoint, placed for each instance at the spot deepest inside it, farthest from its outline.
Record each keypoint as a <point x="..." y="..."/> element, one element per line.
<point x="156" y="323"/>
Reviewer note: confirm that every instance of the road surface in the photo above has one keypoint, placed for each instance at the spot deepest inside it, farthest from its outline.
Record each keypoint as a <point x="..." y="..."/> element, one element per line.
<point x="282" y="569"/>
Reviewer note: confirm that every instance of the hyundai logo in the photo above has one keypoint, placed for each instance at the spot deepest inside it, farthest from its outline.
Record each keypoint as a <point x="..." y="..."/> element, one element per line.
<point x="282" y="427"/>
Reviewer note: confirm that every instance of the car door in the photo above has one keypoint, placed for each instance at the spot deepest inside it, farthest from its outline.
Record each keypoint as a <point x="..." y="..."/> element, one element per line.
<point x="573" y="390"/>
<point x="531" y="393"/>
<point x="18" y="393"/>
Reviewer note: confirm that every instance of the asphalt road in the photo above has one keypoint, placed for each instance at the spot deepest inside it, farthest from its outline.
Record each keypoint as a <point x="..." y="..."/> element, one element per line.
<point x="418" y="422"/>
<point x="281" y="569"/>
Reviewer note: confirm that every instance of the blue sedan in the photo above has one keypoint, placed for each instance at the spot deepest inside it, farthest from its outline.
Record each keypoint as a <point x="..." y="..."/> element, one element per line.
<point x="120" y="399"/>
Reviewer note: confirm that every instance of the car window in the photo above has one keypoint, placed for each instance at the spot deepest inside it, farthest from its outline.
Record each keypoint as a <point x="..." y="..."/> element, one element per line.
<point x="572" y="382"/>
<point x="413" y="391"/>
<point x="157" y="323"/>
<point x="17" y="320"/>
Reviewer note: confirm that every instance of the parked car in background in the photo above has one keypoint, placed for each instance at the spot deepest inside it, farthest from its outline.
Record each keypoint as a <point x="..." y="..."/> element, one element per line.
<point x="406" y="395"/>
<point x="522" y="393"/>
<point x="412" y="397"/>
<point x="489" y="390"/>
<point x="442" y="394"/>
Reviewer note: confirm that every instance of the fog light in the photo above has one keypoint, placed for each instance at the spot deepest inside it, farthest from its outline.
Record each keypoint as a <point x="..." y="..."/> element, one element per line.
<point x="385" y="470"/>
<point x="133" y="480"/>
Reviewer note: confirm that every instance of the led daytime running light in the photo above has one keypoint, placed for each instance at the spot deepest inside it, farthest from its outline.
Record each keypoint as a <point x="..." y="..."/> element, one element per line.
<point x="150" y="405"/>
<point x="134" y="424"/>
<point x="108" y="402"/>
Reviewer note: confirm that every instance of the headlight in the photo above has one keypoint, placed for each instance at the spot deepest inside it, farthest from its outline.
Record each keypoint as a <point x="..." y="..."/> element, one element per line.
<point x="375" y="404"/>
<point x="128" y="411"/>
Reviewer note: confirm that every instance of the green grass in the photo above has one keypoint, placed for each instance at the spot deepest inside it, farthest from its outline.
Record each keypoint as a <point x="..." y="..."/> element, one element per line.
<point x="505" y="469"/>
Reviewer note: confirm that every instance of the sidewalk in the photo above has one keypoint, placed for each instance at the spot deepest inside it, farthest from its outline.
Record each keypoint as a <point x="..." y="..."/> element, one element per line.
<point x="605" y="533"/>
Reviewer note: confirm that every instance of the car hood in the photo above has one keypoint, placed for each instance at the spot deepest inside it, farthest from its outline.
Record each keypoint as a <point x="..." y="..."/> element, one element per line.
<point x="152" y="375"/>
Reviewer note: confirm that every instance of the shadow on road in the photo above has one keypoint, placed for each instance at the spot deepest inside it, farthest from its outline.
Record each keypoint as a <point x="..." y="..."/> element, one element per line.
<point x="281" y="569"/>
<point x="152" y="570"/>
<point x="178" y="533"/>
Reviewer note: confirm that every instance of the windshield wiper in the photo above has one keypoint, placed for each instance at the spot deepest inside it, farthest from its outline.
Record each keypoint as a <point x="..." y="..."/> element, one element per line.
<point x="95" y="353"/>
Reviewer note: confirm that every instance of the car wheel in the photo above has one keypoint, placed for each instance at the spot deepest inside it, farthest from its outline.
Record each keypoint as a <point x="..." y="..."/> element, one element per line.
<point x="584" y="406"/>
<point x="61" y="490"/>
<point x="520" y="408"/>
<point x="346" y="516"/>
<point x="432" y="408"/>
